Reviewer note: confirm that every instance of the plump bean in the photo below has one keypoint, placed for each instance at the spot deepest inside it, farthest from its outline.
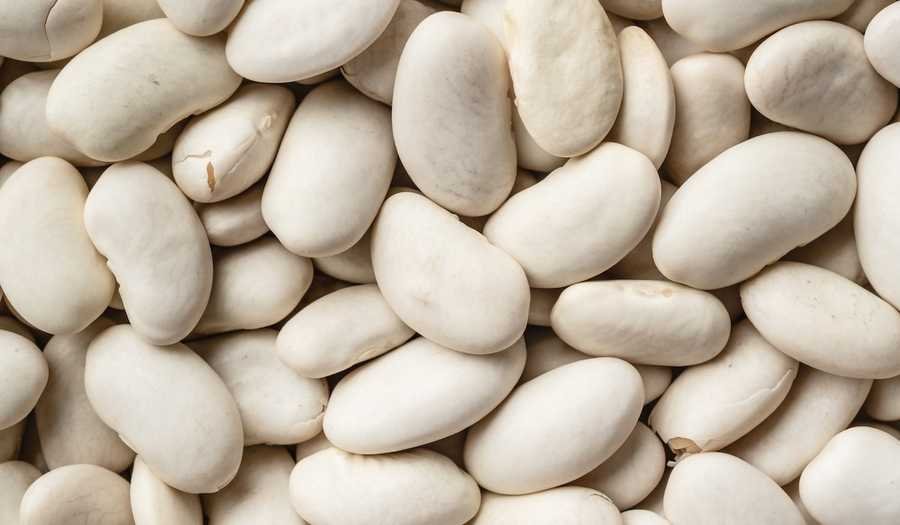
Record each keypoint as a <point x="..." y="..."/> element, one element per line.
<point x="854" y="479"/>
<point x="874" y="217"/>
<point x="647" y="116"/>
<point x="259" y="492"/>
<point x="84" y="102"/>
<point x="695" y="488"/>
<point x="814" y="76"/>
<point x="69" y="429"/>
<point x="333" y="487"/>
<point x="24" y="372"/>
<point x="164" y="297"/>
<point x="712" y="112"/>
<point x="581" y="506"/>
<point x="612" y="185"/>
<point x="331" y="173"/>
<point x="73" y="494"/>
<point x="365" y="419"/>
<point x="285" y="40"/>
<point x="316" y="342"/>
<point x="818" y="406"/>
<point x="24" y="133"/>
<point x="711" y="405"/>
<point x="646" y="322"/>
<point x="162" y="401"/>
<point x="276" y="405"/>
<point x="41" y="214"/>
<point x="824" y="320"/>
<point x="243" y="298"/>
<point x="224" y="151"/>
<point x="714" y="233"/>
<point x="725" y="27"/>
<point x="417" y="247"/>
<point x="569" y="105"/>
<point x="552" y="410"/>
<point x="152" y="501"/>
<point x="463" y="157"/>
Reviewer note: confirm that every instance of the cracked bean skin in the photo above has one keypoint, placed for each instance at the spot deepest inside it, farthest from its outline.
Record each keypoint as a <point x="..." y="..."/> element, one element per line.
<point x="226" y="150"/>
<point x="711" y="405"/>
<point x="818" y="406"/>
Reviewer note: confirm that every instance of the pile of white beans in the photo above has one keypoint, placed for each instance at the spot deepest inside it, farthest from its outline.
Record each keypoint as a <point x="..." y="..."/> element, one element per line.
<point x="490" y="262"/>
